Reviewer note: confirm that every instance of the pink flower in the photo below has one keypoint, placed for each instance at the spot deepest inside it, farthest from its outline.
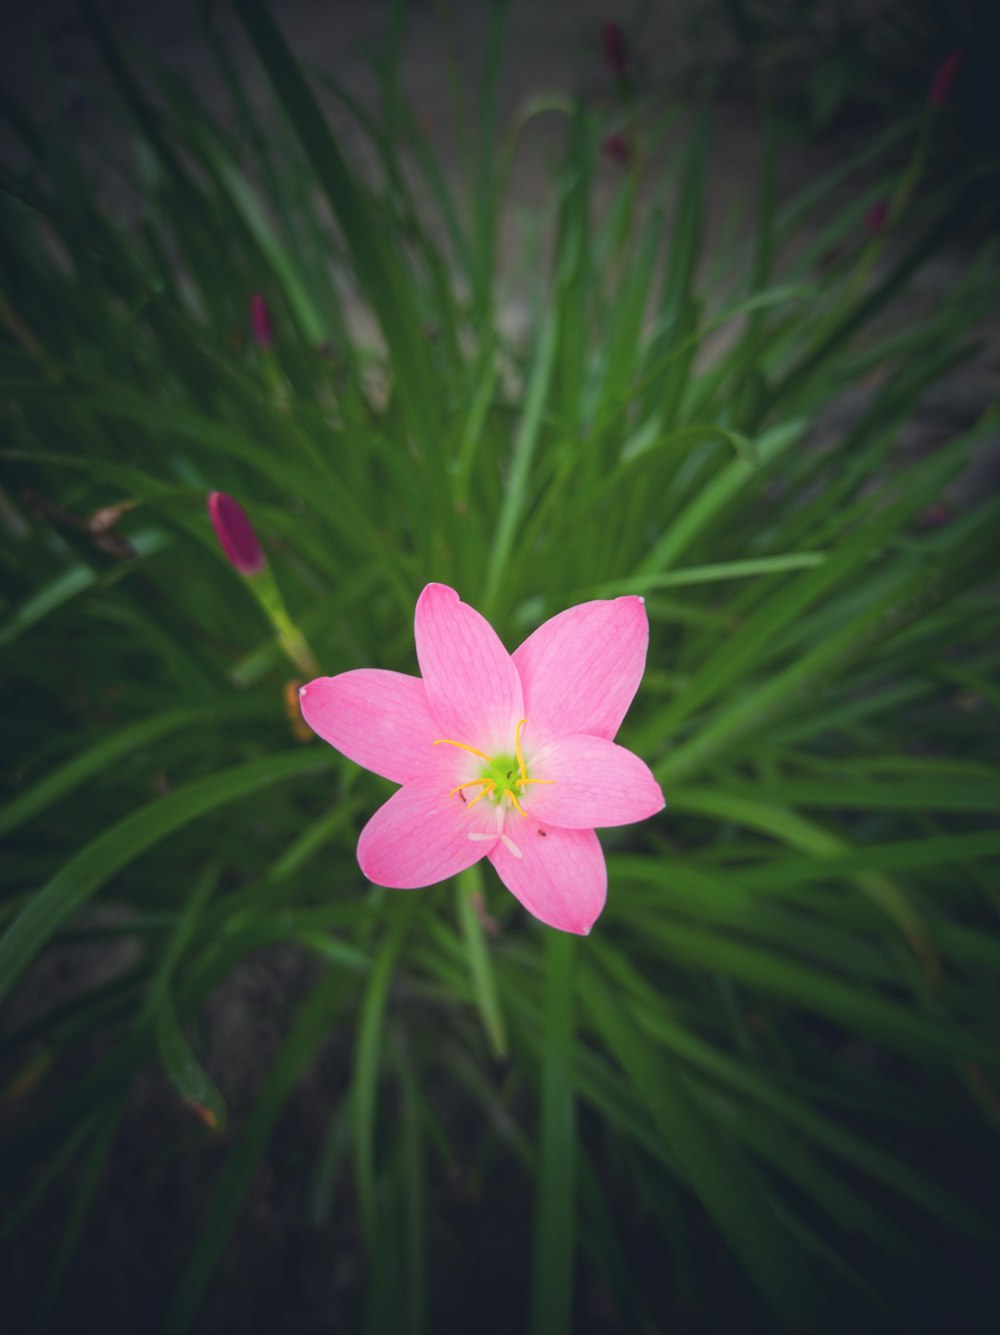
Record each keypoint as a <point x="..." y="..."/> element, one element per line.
<point x="617" y="150"/>
<point x="235" y="533"/>
<point x="261" y="324"/>
<point x="615" y="50"/>
<point x="503" y="756"/>
<point x="944" y="77"/>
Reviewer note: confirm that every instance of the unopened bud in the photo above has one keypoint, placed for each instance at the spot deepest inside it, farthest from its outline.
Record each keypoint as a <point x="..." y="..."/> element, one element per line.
<point x="944" y="77"/>
<point x="616" y="148"/>
<point x="261" y="324"/>
<point x="235" y="534"/>
<point x="876" y="218"/>
<point x="615" y="50"/>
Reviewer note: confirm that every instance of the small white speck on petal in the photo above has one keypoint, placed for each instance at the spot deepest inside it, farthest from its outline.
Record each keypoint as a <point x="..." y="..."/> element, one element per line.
<point x="478" y="835"/>
<point x="302" y="691"/>
<point x="510" y="846"/>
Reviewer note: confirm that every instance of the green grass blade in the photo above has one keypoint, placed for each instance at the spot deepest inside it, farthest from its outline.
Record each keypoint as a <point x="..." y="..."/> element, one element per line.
<point x="469" y="901"/>
<point x="713" y="1167"/>
<point x="376" y="261"/>
<point x="96" y="759"/>
<point x="517" y="489"/>
<point x="309" y="1032"/>
<point x="367" y="1064"/>
<point x="89" y="869"/>
<point x="555" y="1207"/>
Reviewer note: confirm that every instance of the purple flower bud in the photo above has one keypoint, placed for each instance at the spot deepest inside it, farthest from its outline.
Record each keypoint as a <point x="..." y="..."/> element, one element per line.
<point x="944" y="77"/>
<point x="936" y="515"/>
<point x="260" y="321"/>
<point x="615" y="50"/>
<point x="877" y="217"/>
<point x="616" y="148"/>
<point x="235" y="533"/>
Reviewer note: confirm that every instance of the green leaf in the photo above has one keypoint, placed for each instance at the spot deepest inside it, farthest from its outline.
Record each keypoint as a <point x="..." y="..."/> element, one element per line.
<point x="716" y="496"/>
<point x="713" y="1166"/>
<point x="757" y="708"/>
<point x="97" y="759"/>
<point x="469" y="901"/>
<point x="94" y="865"/>
<point x="367" y="1063"/>
<point x="555" y="1198"/>
<point x="310" y="1031"/>
<point x="376" y="260"/>
<point x="188" y="1075"/>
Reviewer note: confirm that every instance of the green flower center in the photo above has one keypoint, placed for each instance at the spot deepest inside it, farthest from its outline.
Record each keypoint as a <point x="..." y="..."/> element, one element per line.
<point x="502" y="779"/>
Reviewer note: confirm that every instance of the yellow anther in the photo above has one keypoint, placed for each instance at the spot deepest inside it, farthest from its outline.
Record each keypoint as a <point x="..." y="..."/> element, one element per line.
<point x="507" y="792"/>
<point x="522" y="783"/>
<point x="446" y="741"/>
<point x="520" y="753"/>
<point x="490" y="785"/>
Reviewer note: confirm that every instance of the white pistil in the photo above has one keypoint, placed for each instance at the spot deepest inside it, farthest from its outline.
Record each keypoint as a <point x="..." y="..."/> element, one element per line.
<point x="510" y="846"/>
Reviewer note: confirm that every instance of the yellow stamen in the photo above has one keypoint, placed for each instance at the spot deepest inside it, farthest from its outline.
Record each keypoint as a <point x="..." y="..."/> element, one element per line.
<point x="490" y="785"/>
<point x="522" y="782"/>
<point x="520" y="753"/>
<point x="446" y="741"/>
<point x="471" y="783"/>
<point x="517" y="805"/>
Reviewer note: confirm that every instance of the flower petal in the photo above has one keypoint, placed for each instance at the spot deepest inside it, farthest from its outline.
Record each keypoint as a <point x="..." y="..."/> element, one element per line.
<point x="596" y="783"/>
<point x="560" y="876"/>
<point x="422" y="836"/>
<point x="472" y="685"/>
<point x="581" y="669"/>
<point x="377" y="719"/>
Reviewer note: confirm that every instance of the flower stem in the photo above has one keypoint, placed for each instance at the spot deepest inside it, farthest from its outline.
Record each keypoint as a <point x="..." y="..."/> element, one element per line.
<point x="552" y="1279"/>
<point x="469" y="903"/>
<point x="293" y="643"/>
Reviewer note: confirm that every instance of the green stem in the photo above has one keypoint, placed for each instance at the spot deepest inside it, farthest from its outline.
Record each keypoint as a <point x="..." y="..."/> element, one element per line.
<point x="293" y="643"/>
<point x="552" y="1283"/>
<point x="469" y="902"/>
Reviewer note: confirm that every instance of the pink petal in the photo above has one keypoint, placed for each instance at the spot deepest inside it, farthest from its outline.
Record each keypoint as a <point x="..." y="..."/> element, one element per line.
<point x="597" y="783"/>
<point x="377" y="719"/>
<point x="560" y="875"/>
<point x="580" y="669"/>
<point x="421" y="835"/>
<point x="472" y="685"/>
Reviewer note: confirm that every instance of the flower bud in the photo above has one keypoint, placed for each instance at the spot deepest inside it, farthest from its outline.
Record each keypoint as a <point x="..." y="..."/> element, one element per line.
<point x="235" y="534"/>
<point x="615" y="50"/>
<point x="616" y="149"/>
<point x="261" y="324"/>
<point x="876" y="218"/>
<point x="944" y="77"/>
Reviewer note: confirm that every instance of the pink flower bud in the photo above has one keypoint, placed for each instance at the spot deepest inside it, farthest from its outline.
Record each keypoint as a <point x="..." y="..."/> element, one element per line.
<point x="261" y="323"/>
<point x="235" y="533"/>
<point x="944" y="77"/>
<point x="616" y="149"/>
<point x="936" y="515"/>
<point x="877" y="217"/>
<point x="615" y="50"/>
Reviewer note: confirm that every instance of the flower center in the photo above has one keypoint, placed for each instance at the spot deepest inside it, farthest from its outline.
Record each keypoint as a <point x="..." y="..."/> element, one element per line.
<point x="502" y="778"/>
